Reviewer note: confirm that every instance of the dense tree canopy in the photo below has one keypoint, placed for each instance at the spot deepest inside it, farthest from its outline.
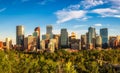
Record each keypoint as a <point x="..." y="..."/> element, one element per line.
<point x="86" y="61"/>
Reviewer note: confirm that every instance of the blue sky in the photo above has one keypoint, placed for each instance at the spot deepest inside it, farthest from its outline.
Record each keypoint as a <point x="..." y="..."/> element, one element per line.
<point x="75" y="15"/>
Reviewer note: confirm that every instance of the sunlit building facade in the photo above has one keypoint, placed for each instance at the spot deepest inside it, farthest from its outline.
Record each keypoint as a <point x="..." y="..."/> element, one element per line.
<point x="98" y="43"/>
<point x="8" y="43"/>
<point x="30" y="43"/>
<point x="20" y="36"/>
<point x="91" y="35"/>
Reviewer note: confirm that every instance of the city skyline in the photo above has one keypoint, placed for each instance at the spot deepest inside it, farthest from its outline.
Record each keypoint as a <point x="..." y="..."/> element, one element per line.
<point x="76" y="16"/>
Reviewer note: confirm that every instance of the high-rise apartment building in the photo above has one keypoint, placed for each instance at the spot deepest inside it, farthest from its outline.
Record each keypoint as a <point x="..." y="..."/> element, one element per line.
<point x="91" y="36"/>
<point x="104" y="35"/>
<point x="64" y="38"/>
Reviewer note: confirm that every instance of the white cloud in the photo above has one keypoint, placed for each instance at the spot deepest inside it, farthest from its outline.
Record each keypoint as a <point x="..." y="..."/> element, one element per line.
<point x="64" y="15"/>
<point x="81" y="10"/>
<point x="91" y="3"/>
<point x="3" y="9"/>
<point x="98" y="25"/>
<point x="107" y="12"/>
<point x="115" y="3"/>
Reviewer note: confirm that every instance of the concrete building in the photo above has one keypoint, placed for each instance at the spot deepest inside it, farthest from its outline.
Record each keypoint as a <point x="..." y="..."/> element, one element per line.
<point x="83" y="42"/>
<point x="42" y="45"/>
<point x="30" y="43"/>
<point x="51" y="45"/>
<point x="46" y="37"/>
<point x="72" y="40"/>
<point x="36" y="34"/>
<point x="8" y="43"/>
<point x="114" y="41"/>
<point x="75" y="45"/>
<point x="20" y="36"/>
<point x="57" y="41"/>
<point x="104" y="35"/>
<point x="98" y="44"/>
<point x="49" y="31"/>
<point x="91" y="35"/>
<point x="118" y="41"/>
<point x="64" y="38"/>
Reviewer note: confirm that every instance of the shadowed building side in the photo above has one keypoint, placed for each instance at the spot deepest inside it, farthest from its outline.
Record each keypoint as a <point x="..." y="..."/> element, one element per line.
<point x="104" y="35"/>
<point x="37" y="35"/>
<point x="64" y="38"/>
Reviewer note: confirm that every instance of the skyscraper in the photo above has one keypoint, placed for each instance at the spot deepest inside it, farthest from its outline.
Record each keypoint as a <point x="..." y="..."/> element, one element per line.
<point x="104" y="35"/>
<point x="64" y="38"/>
<point x="37" y="35"/>
<point x="91" y="36"/>
<point x="83" y="42"/>
<point x="49" y="31"/>
<point x="20" y="36"/>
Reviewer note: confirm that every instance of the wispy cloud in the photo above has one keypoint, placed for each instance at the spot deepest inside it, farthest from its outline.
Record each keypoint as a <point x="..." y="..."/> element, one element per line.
<point x="81" y="10"/>
<point x="3" y="9"/>
<point x="98" y="25"/>
<point x="115" y="3"/>
<point x="70" y="13"/>
<point x="107" y="12"/>
<point x="64" y="15"/>
<point x="91" y="3"/>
